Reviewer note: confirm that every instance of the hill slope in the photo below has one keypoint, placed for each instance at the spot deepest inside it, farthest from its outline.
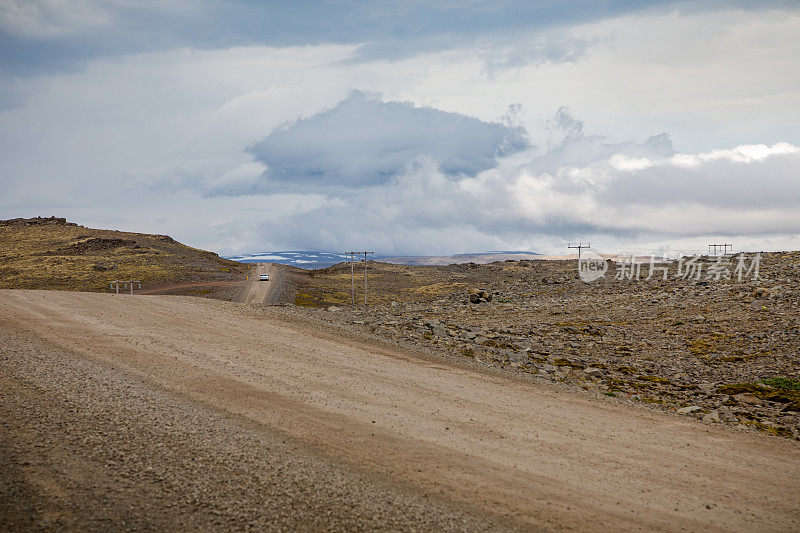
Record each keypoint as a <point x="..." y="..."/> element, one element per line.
<point x="51" y="253"/>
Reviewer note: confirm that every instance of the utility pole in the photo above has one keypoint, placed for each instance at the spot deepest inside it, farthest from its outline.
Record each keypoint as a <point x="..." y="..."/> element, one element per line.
<point x="579" y="246"/>
<point x="723" y="246"/>
<point x="365" y="276"/>
<point x="352" y="256"/>
<point x="352" y="279"/>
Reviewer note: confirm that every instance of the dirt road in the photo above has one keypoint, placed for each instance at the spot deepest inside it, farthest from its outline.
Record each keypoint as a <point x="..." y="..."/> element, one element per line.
<point x="459" y="445"/>
<point x="256" y="291"/>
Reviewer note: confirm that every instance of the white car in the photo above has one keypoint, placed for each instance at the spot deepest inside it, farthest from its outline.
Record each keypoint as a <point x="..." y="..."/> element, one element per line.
<point x="263" y="277"/>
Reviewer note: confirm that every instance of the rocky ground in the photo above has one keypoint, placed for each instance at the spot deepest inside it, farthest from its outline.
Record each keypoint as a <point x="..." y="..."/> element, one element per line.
<point x="723" y="350"/>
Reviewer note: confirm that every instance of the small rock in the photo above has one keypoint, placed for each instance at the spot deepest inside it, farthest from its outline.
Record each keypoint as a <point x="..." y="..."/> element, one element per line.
<point x="713" y="416"/>
<point x="748" y="399"/>
<point x="726" y="414"/>
<point x="689" y="410"/>
<point x="477" y="296"/>
<point x="593" y="372"/>
<point x="706" y="387"/>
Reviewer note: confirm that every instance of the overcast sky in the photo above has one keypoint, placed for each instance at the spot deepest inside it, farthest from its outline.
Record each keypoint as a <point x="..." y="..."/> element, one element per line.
<point x="416" y="127"/>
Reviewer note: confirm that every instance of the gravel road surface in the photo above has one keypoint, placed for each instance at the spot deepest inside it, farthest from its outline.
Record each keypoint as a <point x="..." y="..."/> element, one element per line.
<point x="159" y="412"/>
<point x="264" y="292"/>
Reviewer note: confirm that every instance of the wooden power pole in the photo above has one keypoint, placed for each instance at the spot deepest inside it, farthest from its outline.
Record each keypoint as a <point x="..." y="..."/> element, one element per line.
<point x="723" y="246"/>
<point x="365" y="276"/>
<point x="579" y="246"/>
<point x="352" y="281"/>
<point x="352" y="256"/>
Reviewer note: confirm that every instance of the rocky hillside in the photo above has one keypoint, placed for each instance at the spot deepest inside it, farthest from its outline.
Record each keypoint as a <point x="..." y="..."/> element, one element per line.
<point x="721" y="349"/>
<point x="51" y="253"/>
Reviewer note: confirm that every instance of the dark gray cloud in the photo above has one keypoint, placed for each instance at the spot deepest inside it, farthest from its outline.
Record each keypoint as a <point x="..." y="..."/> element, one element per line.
<point x="40" y="36"/>
<point x="365" y="142"/>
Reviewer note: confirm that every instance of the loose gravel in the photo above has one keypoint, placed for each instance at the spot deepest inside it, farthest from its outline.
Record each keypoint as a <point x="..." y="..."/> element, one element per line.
<point x="85" y="447"/>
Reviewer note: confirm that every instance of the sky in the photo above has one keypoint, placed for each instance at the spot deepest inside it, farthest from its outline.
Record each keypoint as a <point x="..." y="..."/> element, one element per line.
<point x="419" y="127"/>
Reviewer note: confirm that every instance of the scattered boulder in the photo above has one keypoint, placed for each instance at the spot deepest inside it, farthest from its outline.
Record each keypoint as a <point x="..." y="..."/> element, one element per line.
<point x="689" y="410"/>
<point x="477" y="296"/>
<point x="748" y="399"/>
<point x="593" y="372"/>
<point x="96" y="244"/>
<point x="760" y="292"/>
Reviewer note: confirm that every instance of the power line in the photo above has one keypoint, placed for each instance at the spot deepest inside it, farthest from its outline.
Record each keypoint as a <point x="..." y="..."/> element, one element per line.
<point x="365" y="276"/>
<point x="352" y="275"/>
<point x="716" y="246"/>
<point x="579" y="247"/>
<point x="352" y="282"/>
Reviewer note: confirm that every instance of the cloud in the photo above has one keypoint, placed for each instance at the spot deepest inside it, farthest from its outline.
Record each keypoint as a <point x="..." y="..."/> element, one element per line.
<point x="52" y="36"/>
<point x="158" y="139"/>
<point x="525" y="50"/>
<point x="582" y="187"/>
<point x="364" y="142"/>
<point x="238" y="181"/>
<point x="570" y="147"/>
<point x="746" y="177"/>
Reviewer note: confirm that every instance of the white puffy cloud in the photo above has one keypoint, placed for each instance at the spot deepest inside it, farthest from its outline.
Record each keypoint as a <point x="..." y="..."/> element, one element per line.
<point x="618" y="194"/>
<point x="746" y="177"/>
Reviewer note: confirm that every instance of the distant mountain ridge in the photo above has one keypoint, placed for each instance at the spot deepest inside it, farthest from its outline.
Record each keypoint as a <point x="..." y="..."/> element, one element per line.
<point x="478" y="258"/>
<point x="312" y="260"/>
<point x="305" y="259"/>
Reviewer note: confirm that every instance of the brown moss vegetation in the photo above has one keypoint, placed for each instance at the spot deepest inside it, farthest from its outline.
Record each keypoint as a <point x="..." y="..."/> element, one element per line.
<point x="52" y="253"/>
<point x="388" y="283"/>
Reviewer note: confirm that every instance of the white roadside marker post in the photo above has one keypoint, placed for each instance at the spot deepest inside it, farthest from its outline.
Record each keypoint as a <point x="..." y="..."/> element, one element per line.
<point x="115" y="285"/>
